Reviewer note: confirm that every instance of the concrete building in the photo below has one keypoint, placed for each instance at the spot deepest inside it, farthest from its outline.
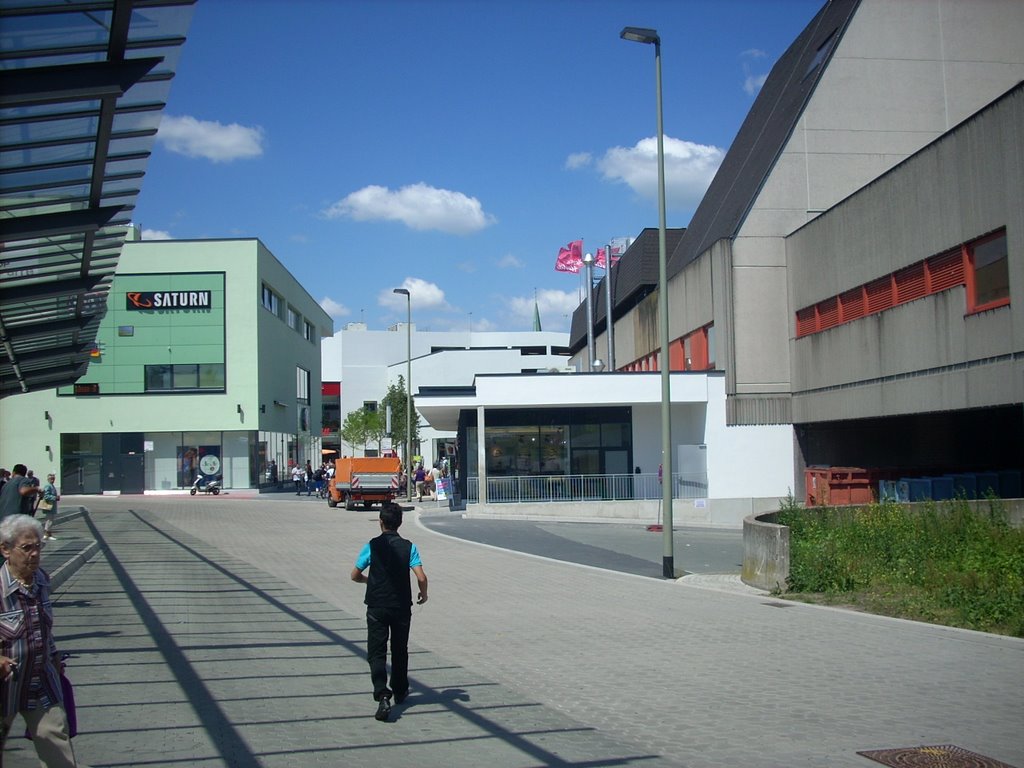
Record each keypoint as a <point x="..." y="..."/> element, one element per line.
<point x="884" y="145"/>
<point x="559" y="441"/>
<point x="207" y="361"/>
<point x="360" y="364"/>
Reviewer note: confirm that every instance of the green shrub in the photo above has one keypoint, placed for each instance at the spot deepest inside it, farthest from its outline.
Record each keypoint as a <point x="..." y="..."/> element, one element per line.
<point x="936" y="562"/>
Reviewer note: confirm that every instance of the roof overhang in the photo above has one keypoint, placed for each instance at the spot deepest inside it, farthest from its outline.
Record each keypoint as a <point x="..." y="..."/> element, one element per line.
<point x="441" y="407"/>
<point x="84" y="87"/>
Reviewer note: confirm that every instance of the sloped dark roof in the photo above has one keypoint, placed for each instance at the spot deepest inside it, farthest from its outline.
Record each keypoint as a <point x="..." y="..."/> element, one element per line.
<point x="633" y="277"/>
<point x="84" y="86"/>
<point x="764" y="133"/>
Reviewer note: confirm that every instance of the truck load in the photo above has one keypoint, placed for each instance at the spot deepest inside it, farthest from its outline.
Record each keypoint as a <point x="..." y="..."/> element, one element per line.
<point x="363" y="480"/>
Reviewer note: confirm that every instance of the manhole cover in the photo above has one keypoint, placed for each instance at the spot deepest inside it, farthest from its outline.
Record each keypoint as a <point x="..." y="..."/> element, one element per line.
<point x="940" y="756"/>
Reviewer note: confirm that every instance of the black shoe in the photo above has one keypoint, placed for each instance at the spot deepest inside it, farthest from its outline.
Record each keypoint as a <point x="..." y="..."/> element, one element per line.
<point x="400" y="697"/>
<point x="383" y="710"/>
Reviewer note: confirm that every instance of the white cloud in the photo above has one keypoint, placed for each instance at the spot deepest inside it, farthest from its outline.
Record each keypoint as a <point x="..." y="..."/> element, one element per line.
<point x="418" y="206"/>
<point x="578" y="160"/>
<point x="423" y="294"/>
<point x="508" y="261"/>
<point x="211" y="140"/>
<point x="156" y="234"/>
<point x="753" y="83"/>
<point x="556" y="307"/>
<point x="689" y="169"/>
<point x="333" y="308"/>
<point x="754" y="53"/>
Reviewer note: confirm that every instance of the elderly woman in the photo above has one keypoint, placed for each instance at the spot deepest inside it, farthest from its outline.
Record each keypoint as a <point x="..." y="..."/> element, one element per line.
<point x="29" y="664"/>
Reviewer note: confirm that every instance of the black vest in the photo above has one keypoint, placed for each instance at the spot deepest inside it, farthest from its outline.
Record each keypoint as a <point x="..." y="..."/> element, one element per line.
<point x="387" y="583"/>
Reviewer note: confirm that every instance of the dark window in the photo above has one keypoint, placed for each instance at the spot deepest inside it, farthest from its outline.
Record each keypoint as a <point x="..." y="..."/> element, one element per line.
<point x="185" y="377"/>
<point x="158" y="377"/>
<point x="270" y="300"/>
<point x="991" y="273"/>
<point x="302" y="384"/>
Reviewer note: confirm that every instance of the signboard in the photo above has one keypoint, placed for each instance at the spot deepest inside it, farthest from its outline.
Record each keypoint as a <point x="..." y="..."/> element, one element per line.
<point x="442" y="488"/>
<point x="145" y="300"/>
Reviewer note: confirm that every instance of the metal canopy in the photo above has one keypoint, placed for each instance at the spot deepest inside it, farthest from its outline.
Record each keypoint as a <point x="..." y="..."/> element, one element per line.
<point x="84" y="84"/>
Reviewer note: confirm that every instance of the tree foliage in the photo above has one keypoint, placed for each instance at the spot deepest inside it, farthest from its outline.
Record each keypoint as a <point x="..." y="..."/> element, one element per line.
<point x="395" y="399"/>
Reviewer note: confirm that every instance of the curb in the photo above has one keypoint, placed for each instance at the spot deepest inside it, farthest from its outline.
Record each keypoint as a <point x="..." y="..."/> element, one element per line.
<point x="67" y="569"/>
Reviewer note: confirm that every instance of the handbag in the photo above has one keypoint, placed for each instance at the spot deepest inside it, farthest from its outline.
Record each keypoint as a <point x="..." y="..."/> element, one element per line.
<point x="68" y="693"/>
<point x="45" y="505"/>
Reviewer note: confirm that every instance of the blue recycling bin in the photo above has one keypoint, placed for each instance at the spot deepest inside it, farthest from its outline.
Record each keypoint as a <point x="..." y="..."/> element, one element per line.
<point x="988" y="482"/>
<point x="942" y="488"/>
<point x="918" y="488"/>
<point x="1009" y="484"/>
<point x="965" y="485"/>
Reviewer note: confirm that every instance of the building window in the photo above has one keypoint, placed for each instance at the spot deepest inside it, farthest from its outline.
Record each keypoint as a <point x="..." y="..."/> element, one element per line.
<point x="988" y="273"/>
<point x="302" y="384"/>
<point x="981" y="265"/>
<point x="186" y="377"/>
<point x="270" y="300"/>
<point x="308" y="333"/>
<point x="370" y="406"/>
<point x="293" y="318"/>
<point x="126" y="330"/>
<point x="211" y="376"/>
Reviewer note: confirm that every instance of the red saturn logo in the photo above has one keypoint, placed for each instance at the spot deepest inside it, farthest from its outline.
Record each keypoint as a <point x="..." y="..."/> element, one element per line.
<point x="137" y="300"/>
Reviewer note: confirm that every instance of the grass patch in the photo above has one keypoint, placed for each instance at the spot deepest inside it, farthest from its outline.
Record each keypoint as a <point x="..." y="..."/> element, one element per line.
<point x="943" y="563"/>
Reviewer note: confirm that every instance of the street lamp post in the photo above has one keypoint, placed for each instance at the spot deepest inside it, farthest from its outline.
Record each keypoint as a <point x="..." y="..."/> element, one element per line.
<point x="408" y="391"/>
<point x="642" y="35"/>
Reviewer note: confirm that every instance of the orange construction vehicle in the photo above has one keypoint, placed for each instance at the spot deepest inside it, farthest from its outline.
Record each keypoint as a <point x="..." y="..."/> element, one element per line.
<point x="366" y="480"/>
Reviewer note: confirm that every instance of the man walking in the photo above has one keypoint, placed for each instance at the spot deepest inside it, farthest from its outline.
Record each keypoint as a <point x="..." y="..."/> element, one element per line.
<point x="19" y="494"/>
<point x="389" y="606"/>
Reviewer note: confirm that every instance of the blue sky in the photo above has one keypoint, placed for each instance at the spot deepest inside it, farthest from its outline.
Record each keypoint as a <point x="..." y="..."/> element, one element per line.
<point x="449" y="146"/>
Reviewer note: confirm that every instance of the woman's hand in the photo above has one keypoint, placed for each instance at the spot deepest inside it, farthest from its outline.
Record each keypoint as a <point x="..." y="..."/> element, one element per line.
<point x="8" y="667"/>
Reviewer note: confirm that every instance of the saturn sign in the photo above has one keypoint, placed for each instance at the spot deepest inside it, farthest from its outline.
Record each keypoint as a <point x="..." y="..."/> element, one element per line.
<point x="143" y="300"/>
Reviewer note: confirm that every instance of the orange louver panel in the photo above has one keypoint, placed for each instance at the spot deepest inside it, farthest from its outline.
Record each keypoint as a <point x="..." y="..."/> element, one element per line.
<point x="828" y="313"/>
<point x="878" y="295"/>
<point x="806" y="322"/>
<point x="676" y="356"/>
<point x="946" y="271"/>
<point x="910" y="283"/>
<point x="851" y="305"/>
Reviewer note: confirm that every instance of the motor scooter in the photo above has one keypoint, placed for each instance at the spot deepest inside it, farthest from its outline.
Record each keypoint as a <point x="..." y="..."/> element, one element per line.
<point x="206" y="486"/>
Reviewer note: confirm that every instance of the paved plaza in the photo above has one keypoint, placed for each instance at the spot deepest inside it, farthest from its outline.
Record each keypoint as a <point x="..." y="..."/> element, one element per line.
<point x="226" y="632"/>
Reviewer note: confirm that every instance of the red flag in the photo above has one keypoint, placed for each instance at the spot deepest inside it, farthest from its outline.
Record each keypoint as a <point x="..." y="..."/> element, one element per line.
<point x="570" y="258"/>
<point x="617" y="246"/>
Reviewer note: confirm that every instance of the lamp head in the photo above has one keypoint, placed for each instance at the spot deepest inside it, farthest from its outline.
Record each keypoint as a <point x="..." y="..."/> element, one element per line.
<point x="640" y="35"/>
<point x="403" y="291"/>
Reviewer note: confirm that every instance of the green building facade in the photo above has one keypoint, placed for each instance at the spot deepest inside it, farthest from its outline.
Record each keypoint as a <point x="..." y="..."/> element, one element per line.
<point x="207" y="363"/>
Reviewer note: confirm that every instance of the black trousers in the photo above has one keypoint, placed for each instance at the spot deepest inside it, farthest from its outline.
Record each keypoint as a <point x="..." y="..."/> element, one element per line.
<point x="380" y="624"/>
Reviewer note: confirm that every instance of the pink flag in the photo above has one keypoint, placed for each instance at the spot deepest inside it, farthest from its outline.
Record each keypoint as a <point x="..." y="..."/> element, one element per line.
<point x="570" y="258"/>
<point x="617" y="246"/>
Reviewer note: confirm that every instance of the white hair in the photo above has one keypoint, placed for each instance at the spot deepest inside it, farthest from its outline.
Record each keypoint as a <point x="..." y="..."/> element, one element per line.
<point x="12" y="526"/>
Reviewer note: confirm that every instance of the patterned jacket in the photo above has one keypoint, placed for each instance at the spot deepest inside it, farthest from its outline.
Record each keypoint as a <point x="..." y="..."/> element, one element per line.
<point x="26" y="629"/>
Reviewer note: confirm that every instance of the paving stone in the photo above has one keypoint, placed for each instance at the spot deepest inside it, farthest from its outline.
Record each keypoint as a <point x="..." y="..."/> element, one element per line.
<point x="225" y="632"/>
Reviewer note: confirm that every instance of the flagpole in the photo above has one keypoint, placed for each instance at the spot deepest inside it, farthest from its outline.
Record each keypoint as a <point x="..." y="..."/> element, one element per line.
<point x="609" y="321"/>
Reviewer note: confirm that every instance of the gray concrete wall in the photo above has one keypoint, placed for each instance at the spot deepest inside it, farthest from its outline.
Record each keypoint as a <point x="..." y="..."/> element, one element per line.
<point x="965" y="185"/>
<point x="704" y="513"/>
<point x="940" y="61"/>
<point x="765" y="552"/>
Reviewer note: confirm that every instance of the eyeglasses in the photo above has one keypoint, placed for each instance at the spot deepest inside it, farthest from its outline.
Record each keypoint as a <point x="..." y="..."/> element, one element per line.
<point x="28" y="549"/>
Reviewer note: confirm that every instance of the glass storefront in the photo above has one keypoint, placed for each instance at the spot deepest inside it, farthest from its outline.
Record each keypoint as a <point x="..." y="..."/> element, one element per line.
<point x="94" y="463"/>
<point x="554" y="441"/>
